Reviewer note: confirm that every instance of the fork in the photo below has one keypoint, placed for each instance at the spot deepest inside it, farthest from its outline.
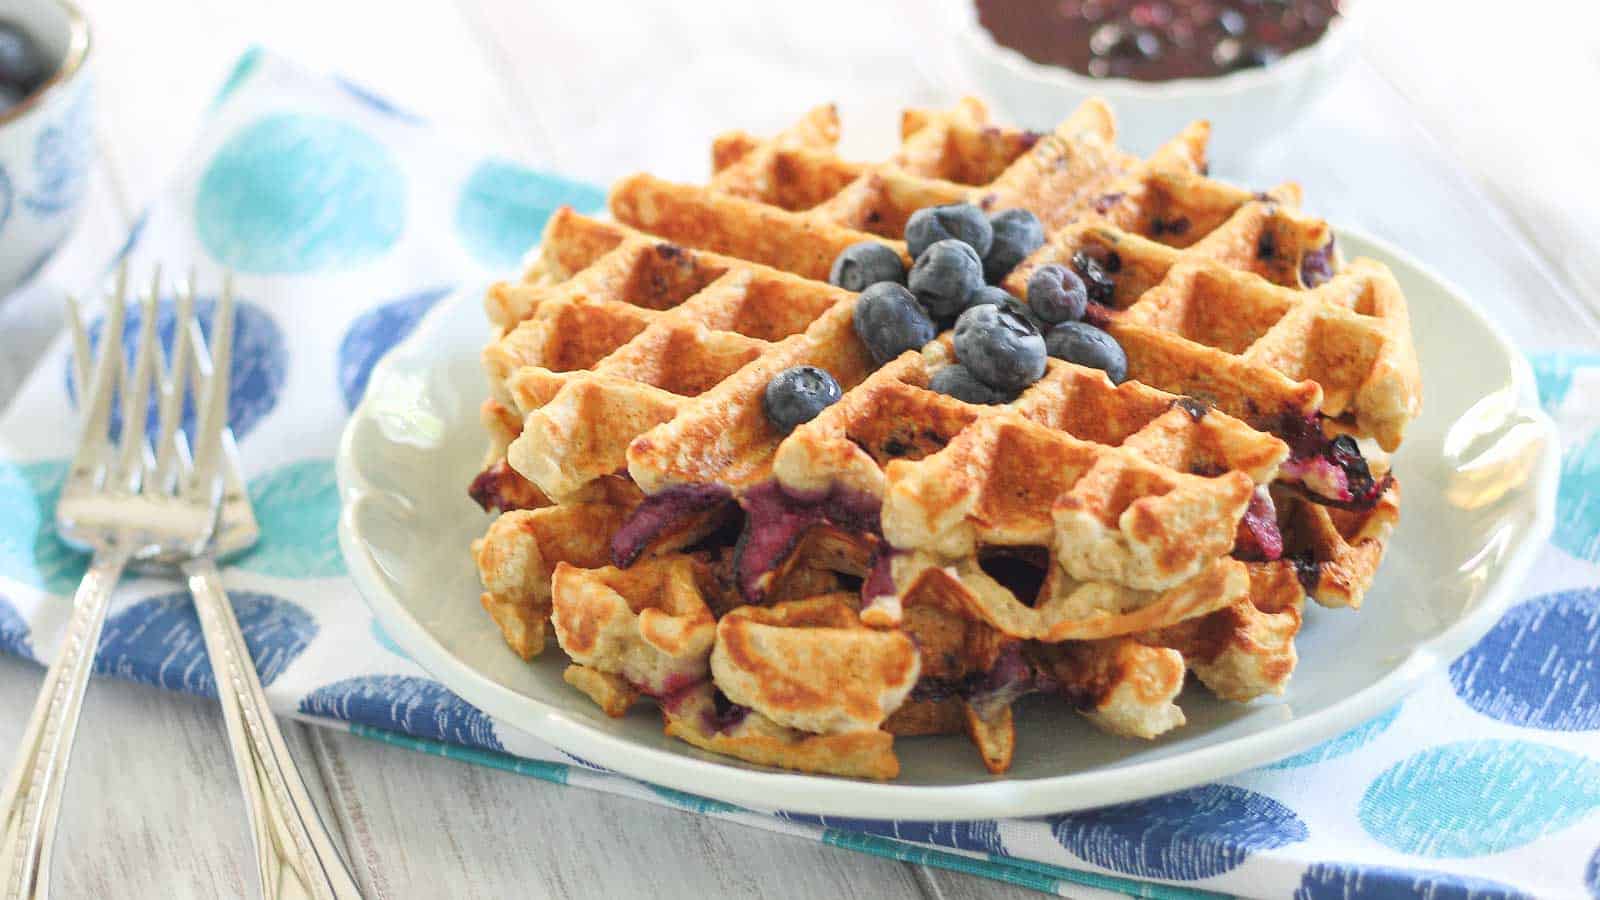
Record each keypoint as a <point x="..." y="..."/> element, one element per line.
<point x="124" y="500"/>
<point x="110" y="500"/>
<point x="295" y="856"/>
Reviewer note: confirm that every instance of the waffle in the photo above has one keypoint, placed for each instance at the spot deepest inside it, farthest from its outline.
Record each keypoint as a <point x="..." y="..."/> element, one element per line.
<point x="907" y="563"/>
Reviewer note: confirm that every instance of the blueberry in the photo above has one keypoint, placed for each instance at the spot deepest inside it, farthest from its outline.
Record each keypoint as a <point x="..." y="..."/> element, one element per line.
<point x="1086" y="345"/>
<point x="798" y="395"/>
<point x="21" y="63"/>
<point x="1017" y="233"/>
<point x="1232" y="54"/>
<point x="865" y="264"/>
<point x="944" y="275"/>
<point x="1101" y="288"/>
<point x="958" y="221"/>
<point x="9" y="97"/>
<point x="958" y="381"/>
<point x="1002" y="348"/>
<point x="1146" y="44"/>
<point x="995" y="296"/>
<point x="890" y="321"/>
<point x="1057" y="294"/>
<point x="1105" y="40"/>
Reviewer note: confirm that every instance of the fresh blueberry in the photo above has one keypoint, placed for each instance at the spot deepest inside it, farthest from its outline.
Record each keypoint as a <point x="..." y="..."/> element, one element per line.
<point x="865" y="264"/>
<point x="997" y="296"/>
<point x="957" y="381"/>
<point x="798" y="395"/>
<point x="9" y="97"/>
<point x="944" y="275"/>
<point x="1086" y="345"/>
<point x="1002" y="348"/>
<point x="1017" y="233"/>
<point x="958" y="221"/>
<point x="21" y="63"/>
<point x="1096" y="280"/>
<point x="890" y="321"/>
<point x="1056" y="294"/>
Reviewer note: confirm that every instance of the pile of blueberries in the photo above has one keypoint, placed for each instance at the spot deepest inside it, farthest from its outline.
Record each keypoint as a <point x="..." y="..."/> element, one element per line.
<point x="22" y="66"/>
<point x="1000" y="341"/>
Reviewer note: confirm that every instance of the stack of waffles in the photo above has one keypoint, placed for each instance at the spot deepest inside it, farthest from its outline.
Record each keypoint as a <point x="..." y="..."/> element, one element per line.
<point x="907" y="563"/>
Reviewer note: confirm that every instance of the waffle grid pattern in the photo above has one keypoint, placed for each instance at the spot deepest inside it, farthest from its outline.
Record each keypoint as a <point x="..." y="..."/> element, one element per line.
<point x="626" y="370"/>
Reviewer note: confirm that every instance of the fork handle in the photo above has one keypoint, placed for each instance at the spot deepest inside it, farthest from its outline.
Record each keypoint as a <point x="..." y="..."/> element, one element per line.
<point x="295" y="856"/>
<point x="32" y="800"/>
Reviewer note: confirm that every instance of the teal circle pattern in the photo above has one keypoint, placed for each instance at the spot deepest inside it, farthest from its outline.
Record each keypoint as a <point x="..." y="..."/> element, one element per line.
<point x="1474" y="798"/>
<point x="503" y="207"/>
<point x="1342" y="744"/>
<point x="1578" y="500"/>
<point x="297" y="506"/>
<point x="30" y="551"/>
<point x="295" y="194"/>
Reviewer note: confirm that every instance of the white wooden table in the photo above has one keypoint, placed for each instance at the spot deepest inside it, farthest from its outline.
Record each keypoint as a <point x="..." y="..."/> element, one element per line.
<point x="601" y="88"/>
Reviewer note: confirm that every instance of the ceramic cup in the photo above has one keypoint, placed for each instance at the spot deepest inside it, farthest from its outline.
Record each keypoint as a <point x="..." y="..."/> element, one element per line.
<point x="46" y="142"/>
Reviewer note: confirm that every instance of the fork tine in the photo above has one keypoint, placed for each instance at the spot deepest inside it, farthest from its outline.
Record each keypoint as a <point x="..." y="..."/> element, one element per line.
<point x="214" y="409"/>
<point x="136" y="392"/>
<point x="80" y="347"/>
<point x="95" y="441"/>
<point x="171" y="446"/>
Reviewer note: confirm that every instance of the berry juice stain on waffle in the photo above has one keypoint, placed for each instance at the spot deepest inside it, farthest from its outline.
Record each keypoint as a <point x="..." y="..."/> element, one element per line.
<point x="824" y="453"/>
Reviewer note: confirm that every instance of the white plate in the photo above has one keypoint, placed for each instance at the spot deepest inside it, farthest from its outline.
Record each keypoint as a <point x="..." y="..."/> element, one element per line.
<point x="1479" y="470"/>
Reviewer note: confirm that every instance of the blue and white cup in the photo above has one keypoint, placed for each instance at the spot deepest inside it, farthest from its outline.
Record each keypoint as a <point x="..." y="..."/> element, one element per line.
<point x="46" y="142"/>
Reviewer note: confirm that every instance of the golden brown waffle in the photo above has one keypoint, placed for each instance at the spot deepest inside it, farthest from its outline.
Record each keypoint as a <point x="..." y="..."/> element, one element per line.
<point x="1084" y="540"/>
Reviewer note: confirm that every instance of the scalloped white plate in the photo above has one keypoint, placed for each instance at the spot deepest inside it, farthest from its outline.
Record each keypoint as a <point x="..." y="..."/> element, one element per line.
<point x="1479" y="469"/>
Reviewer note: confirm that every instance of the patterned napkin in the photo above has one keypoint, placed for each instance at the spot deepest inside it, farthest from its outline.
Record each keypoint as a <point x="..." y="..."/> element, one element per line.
<point x="348" y="219"/>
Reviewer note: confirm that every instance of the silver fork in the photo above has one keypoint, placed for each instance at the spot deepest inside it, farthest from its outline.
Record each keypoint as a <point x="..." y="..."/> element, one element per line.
<point x="156" y="507"/>
<point x="295" y="856"/>
<point x="127" y="501"/>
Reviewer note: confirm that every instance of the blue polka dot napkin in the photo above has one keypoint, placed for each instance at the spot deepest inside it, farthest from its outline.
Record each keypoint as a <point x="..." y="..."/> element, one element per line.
<point x="347" y="219"/>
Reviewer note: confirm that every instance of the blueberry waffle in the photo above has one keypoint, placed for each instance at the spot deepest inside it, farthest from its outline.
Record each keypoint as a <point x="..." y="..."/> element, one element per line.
<point x="822" y="452"/>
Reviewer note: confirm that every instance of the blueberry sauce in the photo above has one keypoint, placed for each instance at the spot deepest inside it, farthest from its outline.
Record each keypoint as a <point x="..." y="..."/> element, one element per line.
<point x="1008" y="679"/>
<point x="1267" y="245"/>
<point x="1194" y="409"/>
<point x="500" y="488"/>
<point x="672" y="701"/>
<point x="777" y="519"/>
<point x="1259" y="539"/>
<point x="880" y="577"/>
<point x="23" y="66"/>
<point x="658" y="513"/>
<point x="1156" y="40"/>
<point x="1316" y="267"/>
<point x="725" y="715"/>
<point x="1332" y="472"/>
<point x="1306" y="570"/>
<point x="1095" y="273"/>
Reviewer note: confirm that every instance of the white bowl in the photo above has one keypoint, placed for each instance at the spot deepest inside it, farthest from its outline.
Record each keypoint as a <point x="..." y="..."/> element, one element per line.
<point x="1480" y="467"/>
<point x="1245" y="108"/>
<point x="46" y="143"/>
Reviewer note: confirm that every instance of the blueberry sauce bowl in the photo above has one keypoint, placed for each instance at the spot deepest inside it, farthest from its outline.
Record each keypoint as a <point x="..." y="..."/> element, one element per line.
<point x="46" y="132"/>
<point x="1246" y="107"/>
